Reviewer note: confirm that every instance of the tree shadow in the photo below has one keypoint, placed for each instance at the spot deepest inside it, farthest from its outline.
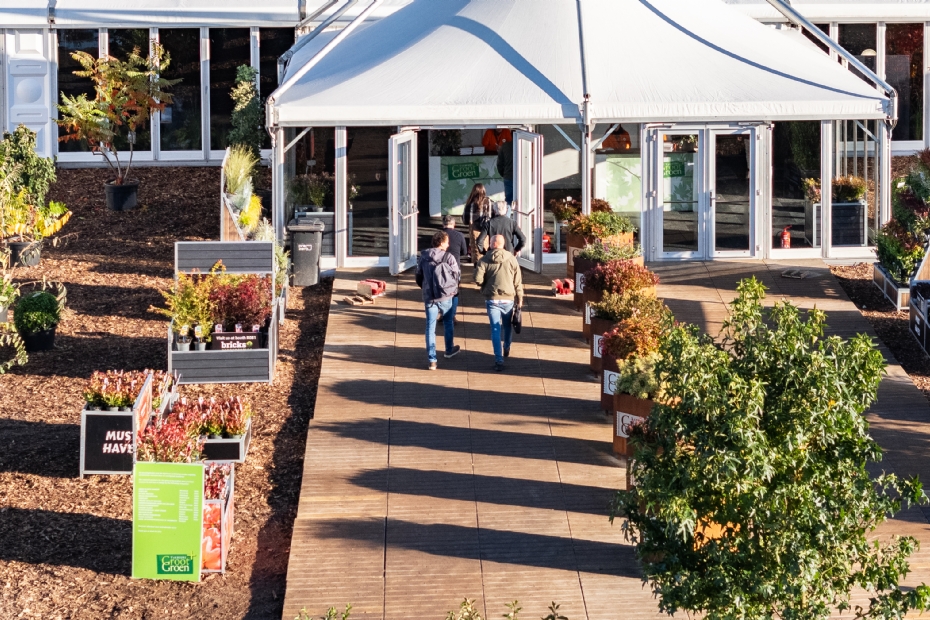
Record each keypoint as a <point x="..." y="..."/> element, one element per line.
<point x="40" y="448"/>
<point x="99" y="544"/>
<point x="107" y="351"/>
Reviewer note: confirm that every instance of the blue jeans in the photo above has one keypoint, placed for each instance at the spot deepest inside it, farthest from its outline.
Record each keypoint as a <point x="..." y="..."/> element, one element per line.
<point x="433" y="309"/>
<point x="500" y="312"/>
<point x="508" y="190"/>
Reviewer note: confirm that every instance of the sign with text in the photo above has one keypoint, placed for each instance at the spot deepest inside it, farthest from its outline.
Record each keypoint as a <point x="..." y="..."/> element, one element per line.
<point x="167" y="519"/>
<point x="625" y="421"/>
<point x="229" y="341"/>
<point x="610" y="381"/>
<point x="106" y="442"/>
<point x="597" y="347"/>
<point x="465" y="170"/>
<point x="579" y="283"/>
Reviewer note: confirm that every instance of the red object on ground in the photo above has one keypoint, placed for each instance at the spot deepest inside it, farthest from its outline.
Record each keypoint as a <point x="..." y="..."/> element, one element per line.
<point x="376" y="288"/>
<point x="563" y="286"/>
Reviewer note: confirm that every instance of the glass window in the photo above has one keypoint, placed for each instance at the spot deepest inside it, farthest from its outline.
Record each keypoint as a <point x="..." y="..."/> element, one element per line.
<point x="826" y="30"/>
<point x="680" y="193"/>
<point x="561" y="176"/>
<point x="904" y="70"/>
<point x="855" y="183"/>
<point x="795" y="183"/>
<point x="860" y="41"/>
<point x="272" y="43"/>
<point x="368" y="163"/>
<point x="618" y="169"/>
<point x="229" y="48"/>
<point x="121" y="44"/>
<point x="69" y="41"/>
<point x="181" y="121"/>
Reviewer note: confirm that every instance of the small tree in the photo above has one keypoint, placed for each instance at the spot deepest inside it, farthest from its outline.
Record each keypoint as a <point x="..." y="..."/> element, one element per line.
<point x="752" y="500"/>
<point x="126" y="94"/>
<point x="247" y="113"/>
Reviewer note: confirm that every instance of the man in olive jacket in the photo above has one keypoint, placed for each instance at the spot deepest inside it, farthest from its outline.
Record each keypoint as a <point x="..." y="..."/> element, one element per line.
<point x="501" y="283"/>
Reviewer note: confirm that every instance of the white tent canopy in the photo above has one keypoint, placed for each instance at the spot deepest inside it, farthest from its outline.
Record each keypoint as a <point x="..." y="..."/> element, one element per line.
<point x="841" y="10"/>
<point x="23" y="13"/>
<point x="145" y="13"/>
<point x="457" y="62"/>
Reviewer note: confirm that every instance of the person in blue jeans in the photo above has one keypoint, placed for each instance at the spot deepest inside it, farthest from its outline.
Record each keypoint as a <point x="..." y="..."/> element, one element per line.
<point x="501" y="283"/>
<point x="438" y="274"/>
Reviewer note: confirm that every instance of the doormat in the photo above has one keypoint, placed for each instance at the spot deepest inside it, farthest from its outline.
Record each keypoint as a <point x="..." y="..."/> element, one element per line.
<point x="796" y="274"/>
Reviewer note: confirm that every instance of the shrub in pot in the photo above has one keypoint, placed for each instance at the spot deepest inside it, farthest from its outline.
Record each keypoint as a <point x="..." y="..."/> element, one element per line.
<point x="900" y="243"/>
<point x="238" y="170"/>
<point x="125" y="95"/>
<point x="614" y="277"/>
<point x="616" y="307"/>
<point x="577" y="225"/>
<point x="114" y="389"/>
<point x="36" y="318"/>
<point x="312" y="190"/>
<point x="596" y="253"/>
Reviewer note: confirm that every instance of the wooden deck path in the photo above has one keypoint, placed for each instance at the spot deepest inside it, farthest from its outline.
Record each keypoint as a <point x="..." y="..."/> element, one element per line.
<point x="421" y="488"/>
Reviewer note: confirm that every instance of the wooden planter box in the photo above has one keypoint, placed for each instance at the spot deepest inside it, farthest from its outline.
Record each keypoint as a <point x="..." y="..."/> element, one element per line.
<point x="628" y="410"/>
<point x="598" y="328"/>
<point x="230" y="449"/>
<point x="108" y="438"/>
<point x="898" y="294"/>
<point x="581" y="266"/>
<point x="229" y="366"/>
<point x="608" y="382"/>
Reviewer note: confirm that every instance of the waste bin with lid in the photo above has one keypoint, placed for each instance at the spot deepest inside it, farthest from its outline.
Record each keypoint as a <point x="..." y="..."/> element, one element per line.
<point x="306" y="240"/>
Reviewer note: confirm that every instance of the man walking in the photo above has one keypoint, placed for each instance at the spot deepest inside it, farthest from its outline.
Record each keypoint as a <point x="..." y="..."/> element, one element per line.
<point x="504" y="226"/>
<point x="438" y="274"/>
<point x="458" y="247"/>
<point x="501" y="283"/>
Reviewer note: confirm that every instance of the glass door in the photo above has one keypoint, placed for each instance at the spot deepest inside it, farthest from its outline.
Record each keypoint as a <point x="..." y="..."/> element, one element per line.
<point x="732" y="192"/>
<point x="402" y="201"/>
<point x="528" y="196"/>
<point x="682" y="229"/>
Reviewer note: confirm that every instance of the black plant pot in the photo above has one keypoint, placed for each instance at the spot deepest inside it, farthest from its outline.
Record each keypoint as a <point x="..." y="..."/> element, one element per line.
<point x="25" y="253"/>
<point x="121" y="197"/>
<point x="40" y="341"/>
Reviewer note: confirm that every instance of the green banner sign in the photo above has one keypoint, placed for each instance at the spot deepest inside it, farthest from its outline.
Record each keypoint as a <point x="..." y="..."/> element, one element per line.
<point x="465" y="170"/>
<point x="167" y="519"/>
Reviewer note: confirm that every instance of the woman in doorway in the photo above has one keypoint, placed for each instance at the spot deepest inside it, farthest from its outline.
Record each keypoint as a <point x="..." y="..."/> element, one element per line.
<point x="476" y="216"/>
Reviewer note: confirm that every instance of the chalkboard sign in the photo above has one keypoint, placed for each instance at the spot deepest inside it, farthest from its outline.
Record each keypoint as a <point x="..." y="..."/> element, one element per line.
<point x="106" y="442"/>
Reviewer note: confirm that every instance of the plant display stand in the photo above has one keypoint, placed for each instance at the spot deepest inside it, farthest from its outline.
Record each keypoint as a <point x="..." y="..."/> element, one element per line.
<point x="245" y="365"/>
<point x="108" y="438"/>
<point x="898" y="294"/>
<point x="177" y="534"/>
<point x="228" y="449"/>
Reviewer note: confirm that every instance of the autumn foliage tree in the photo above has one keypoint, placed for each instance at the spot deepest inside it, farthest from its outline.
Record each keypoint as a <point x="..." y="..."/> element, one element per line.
<point x="751" y="499"/>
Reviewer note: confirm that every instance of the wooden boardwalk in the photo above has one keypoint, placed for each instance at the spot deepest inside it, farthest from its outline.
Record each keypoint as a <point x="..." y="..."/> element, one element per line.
<point x="421" y="488"/>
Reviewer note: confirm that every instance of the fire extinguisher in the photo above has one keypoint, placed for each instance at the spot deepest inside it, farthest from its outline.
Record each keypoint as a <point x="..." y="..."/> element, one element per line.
<point x="547" y="246"/>
<point x="785" y="237"/>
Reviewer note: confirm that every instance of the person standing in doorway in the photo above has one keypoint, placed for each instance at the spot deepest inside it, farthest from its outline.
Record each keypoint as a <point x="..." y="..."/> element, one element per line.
<point x="504" y="226"/>
<point x="505" y="167"/>
<point x="501" y="283"/>
<point x="477" y="214"/>
<point x="438" y="275"/>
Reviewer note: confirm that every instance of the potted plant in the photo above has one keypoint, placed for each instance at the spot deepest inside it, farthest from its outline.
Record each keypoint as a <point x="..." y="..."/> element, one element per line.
<point x="34" y="174"/>
<point x="849" y="224"/>
<point x="238" y="170"/>
<point x="575" y="226"/>
<point x="900" y="244"/>
<point x="635" y="392"/>
<point x="126" y="94"/>
<point x="615" y="307"/>
<point x="614" y="277"/>
<point x="309" y="191"/>
<point x="36" y="318"/>
<point x="597" y="253"/>
<point x="636" y="336"/>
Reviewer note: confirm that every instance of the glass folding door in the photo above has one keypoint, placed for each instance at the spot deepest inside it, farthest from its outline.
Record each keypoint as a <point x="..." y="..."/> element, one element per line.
<point x="680" y="199"/>
<point x="402" y="201"/>
<point x="731" y="176"/>
<point x="528" y="195"/>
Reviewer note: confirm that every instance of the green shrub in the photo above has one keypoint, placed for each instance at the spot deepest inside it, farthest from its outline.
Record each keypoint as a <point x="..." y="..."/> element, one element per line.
<point x="247" y="115"/>
<point x="601" y="225"/>
<point x="34" y="174"/>
<point x="849" y="189"/>
<point x="37" y="312"/>
<point x="637" y="376"/>
<point x="602" y="252"/>
<point x="239" y="167"/>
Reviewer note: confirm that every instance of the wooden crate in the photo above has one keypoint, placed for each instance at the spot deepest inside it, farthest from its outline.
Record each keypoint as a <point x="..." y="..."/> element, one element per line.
<point x="899" y="295"/>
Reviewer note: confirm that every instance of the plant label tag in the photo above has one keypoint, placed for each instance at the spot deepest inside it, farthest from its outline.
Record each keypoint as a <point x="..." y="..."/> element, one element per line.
<point x="610" y="382"/>
<point x="238" y="328"/>
<point x="588" y="312"/>
<point x="218" y="328"/>
<point x="625" y="421"/>
<point x="579" y="283"/>
<point x="597" y="346"/>
<point x="255" y="328"/>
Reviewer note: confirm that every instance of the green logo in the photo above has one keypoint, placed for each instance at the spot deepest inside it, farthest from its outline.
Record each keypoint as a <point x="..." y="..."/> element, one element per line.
<point x="674" y="169"/>
<point x="175" y="565"/>
<point x="463" y="171"/>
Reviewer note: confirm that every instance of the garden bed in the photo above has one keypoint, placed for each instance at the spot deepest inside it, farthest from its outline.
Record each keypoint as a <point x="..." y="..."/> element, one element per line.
<point x="67" y="541"/>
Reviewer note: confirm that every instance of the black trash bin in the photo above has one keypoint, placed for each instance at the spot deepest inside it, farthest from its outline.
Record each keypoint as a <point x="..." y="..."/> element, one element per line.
<point x="306" y="241"/>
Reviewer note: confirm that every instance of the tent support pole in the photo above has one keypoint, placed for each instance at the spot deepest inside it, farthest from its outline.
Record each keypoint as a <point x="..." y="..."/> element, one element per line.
<point x="587" y="163"/>
<point x="277" y="182"/>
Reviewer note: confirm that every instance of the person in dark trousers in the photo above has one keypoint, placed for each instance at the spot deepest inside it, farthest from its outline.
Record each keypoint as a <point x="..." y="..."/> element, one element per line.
<point x="476" y="215"/>
<point x="505" y="168"/>
<point x="458" y="247"/>
<point x="501" y="283"/>
<point x="438" y="274"/>
<point x="502" y="225"/>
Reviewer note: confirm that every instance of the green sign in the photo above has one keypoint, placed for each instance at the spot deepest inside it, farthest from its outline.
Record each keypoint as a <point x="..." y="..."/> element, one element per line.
<point x="167" y="521"/>
<point x="674" y="169"/>
<point x="465" y="170"/>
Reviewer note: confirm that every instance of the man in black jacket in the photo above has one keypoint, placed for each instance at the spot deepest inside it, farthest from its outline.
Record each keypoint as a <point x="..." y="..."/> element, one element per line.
<point x="502" y="225"/>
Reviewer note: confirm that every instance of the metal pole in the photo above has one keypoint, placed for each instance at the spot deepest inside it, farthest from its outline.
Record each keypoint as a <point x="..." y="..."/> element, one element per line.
<point x="277" y="182"/>
<point x="586" y="160"/>
<point x="826" y="186"/>
<point x="342" y="196"/>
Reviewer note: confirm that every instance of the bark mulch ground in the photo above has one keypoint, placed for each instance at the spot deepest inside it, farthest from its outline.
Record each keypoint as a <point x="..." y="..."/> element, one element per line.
<point x="890" y="325"/>
<point x="65" y="543"/>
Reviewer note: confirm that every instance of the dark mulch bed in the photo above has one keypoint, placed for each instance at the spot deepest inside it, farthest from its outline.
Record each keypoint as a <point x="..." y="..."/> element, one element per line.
<point x="889" y="324"/>
<point x="66" y="542"/>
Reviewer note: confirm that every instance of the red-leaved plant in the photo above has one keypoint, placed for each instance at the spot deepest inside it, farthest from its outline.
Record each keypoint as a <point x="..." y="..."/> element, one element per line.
<point x="211" y="416"/>
<point x="242" y="299"/>
<point x="638" y="334"/>
<point x="618" y="276"/>
<point x="168" y="441"/>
